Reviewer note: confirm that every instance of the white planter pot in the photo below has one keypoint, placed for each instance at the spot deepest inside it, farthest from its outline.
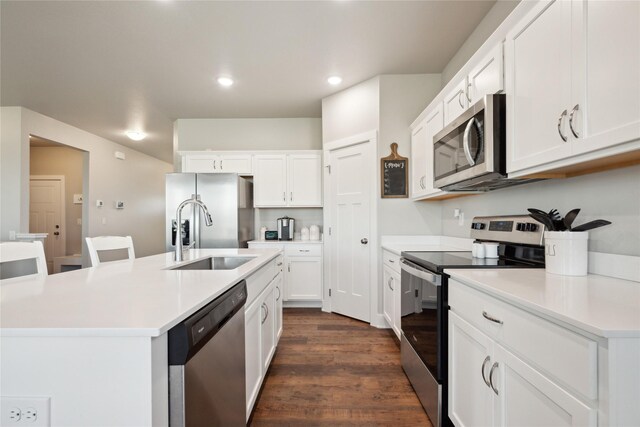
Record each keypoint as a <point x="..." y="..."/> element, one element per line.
<point x="566" y="252"/>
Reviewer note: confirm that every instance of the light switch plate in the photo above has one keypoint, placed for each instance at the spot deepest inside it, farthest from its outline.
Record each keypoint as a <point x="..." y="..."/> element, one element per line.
<point x="99" y="203"/>
<point x="77" y="199"/>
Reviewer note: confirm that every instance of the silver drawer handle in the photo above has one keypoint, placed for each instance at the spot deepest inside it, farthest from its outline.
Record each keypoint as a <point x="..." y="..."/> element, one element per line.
<point x="491" y="318"/>
<point x="576" y="108"/>
<point x="493" y="368"/>
<point x="562" y="116"/>
<point x="279" y="264"/>
<point x="278" y="298"/>
<point x="392" y="261"/>
<point x="305" y="250"/>
<point x="484" y="364"/>
<point x="264" y="306"/>
<point x="389" y="283"/>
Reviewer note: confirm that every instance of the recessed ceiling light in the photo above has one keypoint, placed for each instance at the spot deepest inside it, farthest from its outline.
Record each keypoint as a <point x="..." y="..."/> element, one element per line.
<point x="136" y="135"/>
<point x="225" y="81"/>
<point x="334" y="80"/>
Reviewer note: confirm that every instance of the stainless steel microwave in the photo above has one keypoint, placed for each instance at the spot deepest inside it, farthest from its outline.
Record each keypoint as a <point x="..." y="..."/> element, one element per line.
<point x="469" y="154"/>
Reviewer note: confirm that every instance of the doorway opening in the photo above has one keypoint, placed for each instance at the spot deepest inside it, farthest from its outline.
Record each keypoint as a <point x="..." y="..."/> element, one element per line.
<point x="57" y="195"/>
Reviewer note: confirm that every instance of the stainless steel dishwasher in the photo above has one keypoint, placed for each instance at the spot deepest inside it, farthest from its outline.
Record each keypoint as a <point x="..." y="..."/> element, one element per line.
<point x="206" y="364"/>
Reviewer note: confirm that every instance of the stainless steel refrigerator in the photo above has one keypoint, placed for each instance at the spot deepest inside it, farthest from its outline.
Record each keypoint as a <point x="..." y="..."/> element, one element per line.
<point x="229" y="199"/>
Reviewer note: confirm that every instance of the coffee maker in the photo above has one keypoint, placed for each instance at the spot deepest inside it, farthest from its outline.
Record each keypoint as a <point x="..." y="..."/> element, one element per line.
<point x="286" y="226"/>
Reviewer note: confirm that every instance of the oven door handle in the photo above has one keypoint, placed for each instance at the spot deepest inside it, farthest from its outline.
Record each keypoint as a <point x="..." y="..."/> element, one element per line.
<point x="420" y="273"/>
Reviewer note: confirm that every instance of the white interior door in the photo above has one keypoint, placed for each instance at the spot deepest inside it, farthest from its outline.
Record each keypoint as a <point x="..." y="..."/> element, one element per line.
<point x="350" y="195"/>
<point x="46" y="215"/>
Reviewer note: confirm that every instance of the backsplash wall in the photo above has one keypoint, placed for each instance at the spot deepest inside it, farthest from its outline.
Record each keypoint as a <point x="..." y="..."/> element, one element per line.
<point x="612" y="195"/>
<point x="304" y="217"/>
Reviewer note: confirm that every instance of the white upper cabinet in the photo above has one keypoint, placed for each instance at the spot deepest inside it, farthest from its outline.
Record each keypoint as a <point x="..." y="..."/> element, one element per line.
<point x="573" y="83"/>
<point x="606" y="77"/>
<point x="487" y="77"/>
<point x="538" y="86"/>
<point x="287" y="180"/>
<point x="270" y="180"/>
<point x="455" y="101"/>
<point x="305" y="185"/>
<point x="422" y="153"/>
<point x="218" y="163"/>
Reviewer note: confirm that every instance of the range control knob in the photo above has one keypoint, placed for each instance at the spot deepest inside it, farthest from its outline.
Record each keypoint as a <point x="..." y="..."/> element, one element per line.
<point x="478" y="226"/>
<point x="531" y="226"/>
<point x="520" y="226"/>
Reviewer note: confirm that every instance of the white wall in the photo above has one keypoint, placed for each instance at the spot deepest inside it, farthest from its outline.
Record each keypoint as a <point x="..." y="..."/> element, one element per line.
<point x="138" y="181"/>
<point x="352" y="111"/>
<point x="500" y="10"/>
<point x="402" y="99"/>
<point x="246" y="134"/>
<point x="612" y="195"/>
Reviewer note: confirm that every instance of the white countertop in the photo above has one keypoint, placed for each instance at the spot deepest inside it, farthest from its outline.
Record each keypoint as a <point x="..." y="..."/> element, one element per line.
<point x="286" y="242"/>
<point x="137" y="297"/>
<point x="398" y="244"/>
<point x="601" y="305"/>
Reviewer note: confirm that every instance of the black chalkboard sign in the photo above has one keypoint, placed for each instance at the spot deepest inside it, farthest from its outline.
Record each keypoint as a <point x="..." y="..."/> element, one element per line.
<point x="395" y="173"/>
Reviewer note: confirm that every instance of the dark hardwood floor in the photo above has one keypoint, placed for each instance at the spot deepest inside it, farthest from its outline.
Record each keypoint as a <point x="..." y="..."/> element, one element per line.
<point x="331" y="370"/>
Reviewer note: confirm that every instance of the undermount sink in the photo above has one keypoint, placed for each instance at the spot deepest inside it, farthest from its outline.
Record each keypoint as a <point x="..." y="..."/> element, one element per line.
<point x="216" y="263"/>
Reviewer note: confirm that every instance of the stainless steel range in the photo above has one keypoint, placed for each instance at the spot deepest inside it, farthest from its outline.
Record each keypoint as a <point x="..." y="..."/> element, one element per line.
<point x="424" y="302"/>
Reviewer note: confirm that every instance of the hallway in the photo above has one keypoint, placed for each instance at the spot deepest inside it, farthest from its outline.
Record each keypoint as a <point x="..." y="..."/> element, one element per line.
<point x="332" y="370"/>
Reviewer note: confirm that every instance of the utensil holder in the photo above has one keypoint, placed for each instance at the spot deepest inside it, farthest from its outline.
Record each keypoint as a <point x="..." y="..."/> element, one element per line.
<point x="566" y="252"/>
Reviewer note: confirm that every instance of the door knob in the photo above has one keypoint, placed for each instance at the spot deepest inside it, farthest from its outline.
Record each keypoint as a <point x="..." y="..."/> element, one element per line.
<point x="364" y="241"/>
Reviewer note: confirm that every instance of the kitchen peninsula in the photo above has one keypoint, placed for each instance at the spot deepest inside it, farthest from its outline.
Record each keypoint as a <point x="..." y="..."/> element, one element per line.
<point x="95" y="340"/>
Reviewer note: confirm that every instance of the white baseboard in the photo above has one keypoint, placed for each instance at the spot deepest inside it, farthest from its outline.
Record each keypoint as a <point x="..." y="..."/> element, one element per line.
<point x="302" y="304"/>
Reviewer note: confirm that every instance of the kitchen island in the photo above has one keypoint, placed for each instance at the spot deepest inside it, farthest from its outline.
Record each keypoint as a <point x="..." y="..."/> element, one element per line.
<point x="94" y="340"/>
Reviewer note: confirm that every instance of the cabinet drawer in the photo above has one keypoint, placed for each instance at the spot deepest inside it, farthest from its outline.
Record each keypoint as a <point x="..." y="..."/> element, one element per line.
<point x="303" y="250"/>
<point x="202" y="164"/>
<point x="258" y="281"/>
<point x="265" y="245"/>
<point x="560" y="353"/>
<point x="391" y="260"/>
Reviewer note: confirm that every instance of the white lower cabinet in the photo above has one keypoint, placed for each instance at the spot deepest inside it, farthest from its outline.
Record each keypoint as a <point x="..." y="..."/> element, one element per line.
<point x="509" y="367"/>
<point x="391" y="292"/>
<point x="263" y="327"/>
<point x="489" y="386"/>
<point x="302" y="268"/>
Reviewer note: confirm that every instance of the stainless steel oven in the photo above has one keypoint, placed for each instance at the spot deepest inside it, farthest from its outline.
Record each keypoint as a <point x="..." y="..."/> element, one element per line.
<point x="423" y="340"/>
<point x="469" y="154"/>
<point x="425" y="300"/>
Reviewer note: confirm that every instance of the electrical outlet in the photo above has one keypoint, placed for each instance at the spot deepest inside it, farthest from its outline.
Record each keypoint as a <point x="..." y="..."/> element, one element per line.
<point x="25" y="411"/>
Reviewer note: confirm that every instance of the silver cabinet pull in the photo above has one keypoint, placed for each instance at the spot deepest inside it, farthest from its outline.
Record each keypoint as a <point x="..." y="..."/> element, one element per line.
<point x="284" y="196"/>
<point x="389" y="283"/>
<point x="562" y="116"/>
<point x="493" y="368"/>
<point x="278" y="298"/>
<point x="491" y="318"/>
<point x="484" y="364"/>
<point x="264" y="308"/>
<point x="291" y="196"/>
<point x="279" y="264"/>
<point x="305" y="250"/>
<point x="459" y="100"/>
<point x="468" y="97"/>
<point x="573" y="131"/>
<point x="364" y="241"/>
<point x="392" y="261"/>
<point x="289" y="267"/>
<point x="214" y="164"/>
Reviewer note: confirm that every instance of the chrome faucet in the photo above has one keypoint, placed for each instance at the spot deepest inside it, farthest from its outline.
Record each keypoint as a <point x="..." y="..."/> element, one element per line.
<point x="207" y="219"/>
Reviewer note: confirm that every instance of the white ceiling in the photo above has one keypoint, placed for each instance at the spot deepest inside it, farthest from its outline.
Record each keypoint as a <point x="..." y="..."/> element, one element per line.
<point x="109" y="66"/>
